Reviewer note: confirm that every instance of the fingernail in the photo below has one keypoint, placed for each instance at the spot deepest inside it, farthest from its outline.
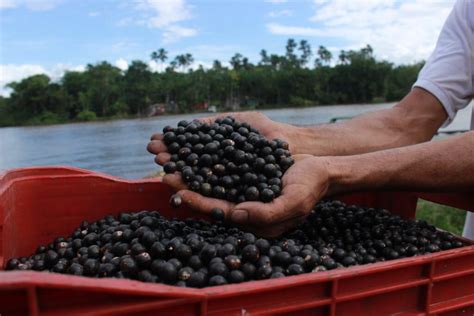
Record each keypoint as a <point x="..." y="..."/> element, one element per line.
<point x="239" y="216"/>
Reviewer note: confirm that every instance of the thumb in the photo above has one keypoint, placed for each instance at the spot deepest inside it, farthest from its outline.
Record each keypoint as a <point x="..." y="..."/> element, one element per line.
<point x="204" y="204"/>
<point x="283" y="208"/>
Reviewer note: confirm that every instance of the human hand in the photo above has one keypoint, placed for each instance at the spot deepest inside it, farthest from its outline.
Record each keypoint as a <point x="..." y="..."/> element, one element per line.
<point x="268" y="128"/>
<point x="304" y="183"/>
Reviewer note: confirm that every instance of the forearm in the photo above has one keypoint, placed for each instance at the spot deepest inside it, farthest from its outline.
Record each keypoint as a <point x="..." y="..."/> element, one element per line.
<point x="414" y="120"/>
<point x="446" y="165"/>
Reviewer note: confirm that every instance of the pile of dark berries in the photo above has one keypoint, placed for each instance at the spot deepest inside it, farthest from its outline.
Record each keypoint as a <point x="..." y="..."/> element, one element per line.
<point x="227" y="160"/>
<point x="146" y="246"/>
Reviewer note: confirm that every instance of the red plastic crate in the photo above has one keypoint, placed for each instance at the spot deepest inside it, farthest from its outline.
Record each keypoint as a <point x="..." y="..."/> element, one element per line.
<point x="39" y="204"/>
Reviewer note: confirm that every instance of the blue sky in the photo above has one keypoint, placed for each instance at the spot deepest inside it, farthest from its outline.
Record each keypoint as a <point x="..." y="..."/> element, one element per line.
<point x="52" y="36"/>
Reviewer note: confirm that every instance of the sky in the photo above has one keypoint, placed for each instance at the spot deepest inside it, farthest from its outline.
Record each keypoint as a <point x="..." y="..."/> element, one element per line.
<point x="52" y="36"/>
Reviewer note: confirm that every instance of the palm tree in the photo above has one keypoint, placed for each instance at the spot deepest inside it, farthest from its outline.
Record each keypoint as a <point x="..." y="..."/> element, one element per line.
<point x="216" y="65"/>
<point x="324" y="55"/>
<point x="276" y="61"/>
<point x="184" y="60"/>
<point x="173" y="65"/>
<point x="189" y="59"/>
<point x="162" y="55"/>
<point x="236" y="61"/>
<point x="290" y="52"/>
<point x="367" y="51"/>
<point x="154" y="56"/>
<point x="159" y="55"/>
<point x="343" y="57"/>
<point x="265" y="60"/>
<point x="305" y="49"/>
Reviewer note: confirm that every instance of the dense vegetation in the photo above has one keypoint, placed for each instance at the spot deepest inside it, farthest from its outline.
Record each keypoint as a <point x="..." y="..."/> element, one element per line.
<point x="297" y="78"/>
<point x="444" y="217"/>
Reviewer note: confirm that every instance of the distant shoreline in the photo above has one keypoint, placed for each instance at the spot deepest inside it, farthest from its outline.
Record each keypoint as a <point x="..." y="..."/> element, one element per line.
<point x="243" y="109"/>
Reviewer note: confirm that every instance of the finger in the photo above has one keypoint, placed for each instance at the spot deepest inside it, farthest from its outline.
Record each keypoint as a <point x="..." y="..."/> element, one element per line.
<point x="162" y="158"/>
<point x="174" y="180"/>
<point x="283" y="208"/>
<point x="156" y="146"/>
<point x="242" y="116"/>
<point x="204" y="204"/>
<point x="211" y="119"/>
<point x="298" y="157"/>
<point x="276" y="230"/>
<point x="208" y="120"/>
<point x="279" y="229"/>
<point x="157" y="136"/>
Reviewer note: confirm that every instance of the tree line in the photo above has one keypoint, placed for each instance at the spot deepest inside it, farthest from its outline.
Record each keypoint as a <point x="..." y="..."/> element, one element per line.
<point x="299" y="77"/>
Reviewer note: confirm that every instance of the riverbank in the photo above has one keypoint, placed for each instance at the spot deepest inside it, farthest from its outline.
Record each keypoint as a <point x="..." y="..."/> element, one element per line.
<point x="48" y="118"/>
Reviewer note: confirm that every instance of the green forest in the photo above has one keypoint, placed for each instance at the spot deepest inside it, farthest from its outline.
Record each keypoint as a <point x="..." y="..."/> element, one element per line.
<point x="300" y="77"/>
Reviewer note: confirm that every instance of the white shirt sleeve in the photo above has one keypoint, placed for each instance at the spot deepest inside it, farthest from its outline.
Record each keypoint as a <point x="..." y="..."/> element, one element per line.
<point x="448" y="73"/>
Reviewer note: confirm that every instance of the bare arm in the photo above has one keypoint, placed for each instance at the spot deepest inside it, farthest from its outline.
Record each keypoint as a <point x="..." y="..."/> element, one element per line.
<point x="445" y="165"/>
<point x="414" y="120"/>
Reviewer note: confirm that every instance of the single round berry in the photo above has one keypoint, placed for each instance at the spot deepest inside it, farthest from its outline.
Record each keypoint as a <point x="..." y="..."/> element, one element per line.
<point x="217" y="280"/>
<point x="217" y="214"/>
<point x="267" y="195"/>
<point x="197" y="279"/>
<point x="250" y="253"/>
<point x="176" y="200"/>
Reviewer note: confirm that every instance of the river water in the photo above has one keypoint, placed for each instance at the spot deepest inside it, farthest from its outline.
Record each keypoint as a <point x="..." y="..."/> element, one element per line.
<point x="119" y="147"/>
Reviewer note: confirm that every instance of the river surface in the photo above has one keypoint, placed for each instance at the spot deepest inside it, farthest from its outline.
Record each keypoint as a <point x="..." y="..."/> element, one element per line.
<point x="119" y="147"/>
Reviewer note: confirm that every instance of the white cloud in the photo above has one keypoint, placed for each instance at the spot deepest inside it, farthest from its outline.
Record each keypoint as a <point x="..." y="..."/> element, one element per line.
<point x="165" y="15"/>
<point x="7" y="4"/>
<point x="121" y="46"/>
<point x="400" y="31"/>
<point x="280" y="29"/>
<point x="11" y="73"/>
<point x="174" y="32"/>
<point x="35" y="5"/>
<point x="58" y="70"/>
<point x="167" y="11"/>
<point x="93" y="14"/>
<point x="122" y="64"/>
<point x="276" y="1"/>
<point x="276" y="14"/>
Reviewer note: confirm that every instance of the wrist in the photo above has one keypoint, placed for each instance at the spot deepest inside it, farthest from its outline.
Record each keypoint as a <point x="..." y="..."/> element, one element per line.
<point x="343" y="176"/>
<point x="302" y="140"/>
<point x="359" y="172"/>
<point x="316" y="140"/>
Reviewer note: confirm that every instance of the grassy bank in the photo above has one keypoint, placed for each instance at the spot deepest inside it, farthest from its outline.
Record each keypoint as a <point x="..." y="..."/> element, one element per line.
<point x="441" y="216"/>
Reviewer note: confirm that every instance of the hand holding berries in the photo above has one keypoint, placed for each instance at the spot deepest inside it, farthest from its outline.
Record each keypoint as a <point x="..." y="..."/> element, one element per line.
<point x="304" y="183"/>
<point x="229" y="165"/>
<point x="225" y="159"/>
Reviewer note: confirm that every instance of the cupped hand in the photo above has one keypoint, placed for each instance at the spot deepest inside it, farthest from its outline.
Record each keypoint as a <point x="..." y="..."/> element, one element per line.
<point x="268" y="128"/>
<point x="304" y="184"/>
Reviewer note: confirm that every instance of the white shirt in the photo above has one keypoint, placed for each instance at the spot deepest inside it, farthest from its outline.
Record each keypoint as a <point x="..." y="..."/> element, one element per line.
<point x="449" y="72"/>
